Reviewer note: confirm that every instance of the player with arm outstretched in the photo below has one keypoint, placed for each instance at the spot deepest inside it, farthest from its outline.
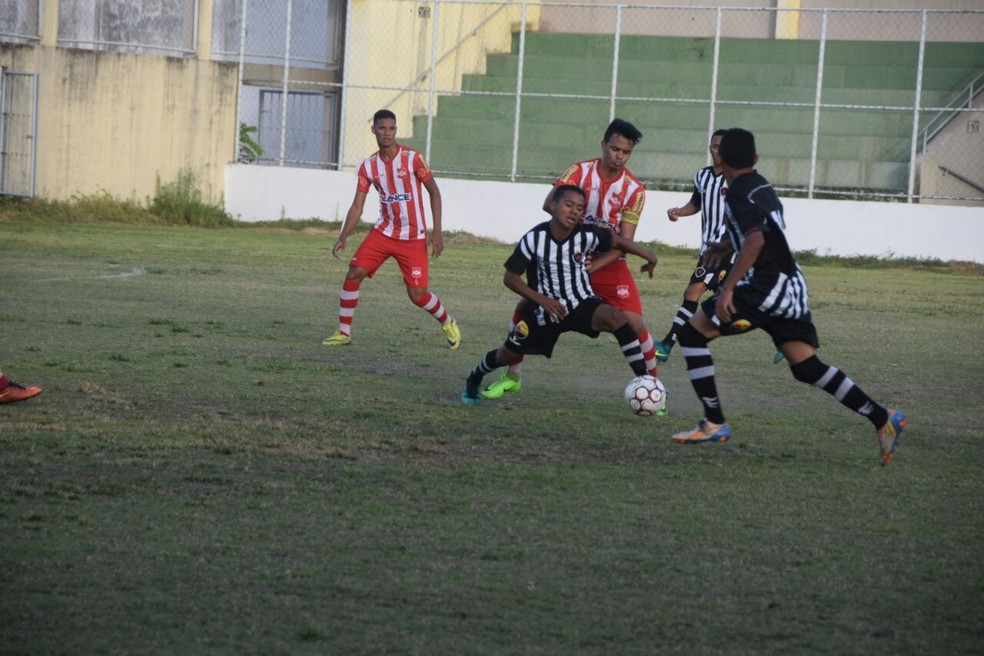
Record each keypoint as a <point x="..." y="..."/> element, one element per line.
<point x="765" y="288"/>
<point x="559" y="296"/>
<point x="614" y="199"/>
<point x="400" y="175"/>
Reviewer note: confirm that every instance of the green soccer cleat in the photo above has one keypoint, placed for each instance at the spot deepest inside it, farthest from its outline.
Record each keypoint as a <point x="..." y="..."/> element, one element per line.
<point x="453" y="334"/>
<point x="338" y="339"/>
<point x="500" y="387"/>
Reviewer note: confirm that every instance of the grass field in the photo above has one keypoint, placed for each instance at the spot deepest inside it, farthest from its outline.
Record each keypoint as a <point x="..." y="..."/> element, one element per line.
<point x="201" y="476"/>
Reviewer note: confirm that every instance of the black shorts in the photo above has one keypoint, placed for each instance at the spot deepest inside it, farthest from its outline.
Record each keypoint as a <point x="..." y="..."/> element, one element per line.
<point x="711" y="278"/>
<point x="748" y="317"/>
<point x="530" y="338"/>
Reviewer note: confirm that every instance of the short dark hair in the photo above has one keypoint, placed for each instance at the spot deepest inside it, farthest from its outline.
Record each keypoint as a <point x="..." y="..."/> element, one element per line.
<point x="623" y="128"/>
<point x="561" y="189"/>
<point x="718" y="133"/>
<point x="738" y="148"/>
<point x="381" y="114"/>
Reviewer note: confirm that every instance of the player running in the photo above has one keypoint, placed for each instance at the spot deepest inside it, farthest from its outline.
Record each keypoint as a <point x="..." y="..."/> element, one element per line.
<point x="399" y="175"/>
<point x="764" y="289"/>
<point x="614" y="200"/>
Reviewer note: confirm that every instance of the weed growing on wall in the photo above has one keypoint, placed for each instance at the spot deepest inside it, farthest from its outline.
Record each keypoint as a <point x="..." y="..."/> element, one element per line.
<point x="182" y="202"/>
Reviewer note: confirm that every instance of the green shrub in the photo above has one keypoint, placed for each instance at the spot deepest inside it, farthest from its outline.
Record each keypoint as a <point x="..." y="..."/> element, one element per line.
<point x="182" y="202"/>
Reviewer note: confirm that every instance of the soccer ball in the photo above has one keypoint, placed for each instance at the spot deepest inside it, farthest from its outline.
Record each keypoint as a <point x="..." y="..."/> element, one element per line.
<point x="645" y="395"/>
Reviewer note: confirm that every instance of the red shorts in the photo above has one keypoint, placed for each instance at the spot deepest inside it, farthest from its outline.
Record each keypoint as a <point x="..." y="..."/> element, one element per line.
<point x="410" y="255"/>
<point x="617" y="287"/>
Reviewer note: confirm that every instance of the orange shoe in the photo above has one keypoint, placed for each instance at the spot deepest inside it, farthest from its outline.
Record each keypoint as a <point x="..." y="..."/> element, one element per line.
<point x="705" y="431"/>
<point x="14" y="392"/>
<point x="888" y="435"/>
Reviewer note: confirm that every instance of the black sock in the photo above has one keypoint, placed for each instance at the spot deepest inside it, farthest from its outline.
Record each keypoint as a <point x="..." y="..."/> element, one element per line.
<point x="700" y="369"/>
<point x="485" y="365"/>
<point x="681" y="319"/>
<point x="631" y="349"/>
<point x="836" y="383"/>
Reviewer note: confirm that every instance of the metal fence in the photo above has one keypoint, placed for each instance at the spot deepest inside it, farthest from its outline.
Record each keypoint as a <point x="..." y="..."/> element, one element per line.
<point x="860" y="104"/>
<point x="855" y="103"/>
<point x="846" y="103"/>
<point x="289" y="56"/>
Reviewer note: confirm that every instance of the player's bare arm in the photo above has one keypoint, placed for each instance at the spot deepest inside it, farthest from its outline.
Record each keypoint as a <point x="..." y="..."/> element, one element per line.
<point x="627" y="230"/>
<point x="630" y="246"/>
<point x="601" y="260"/>
<point x="674" y="213"/>
<point x="553" y="307"/>
<point x="436" y="236"/>
<point x="716" y="253"/>
<point x="548" y="200"/>
<point x="351" y="219"/>
<point x="754" y="241"/>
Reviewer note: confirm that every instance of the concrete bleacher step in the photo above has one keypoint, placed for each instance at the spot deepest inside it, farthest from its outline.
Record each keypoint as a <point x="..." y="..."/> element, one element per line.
<point x="755" y="51"/>
<point x="863" y="145"/>
<point x="753" y="75"/>
<point x="494" y="161"/>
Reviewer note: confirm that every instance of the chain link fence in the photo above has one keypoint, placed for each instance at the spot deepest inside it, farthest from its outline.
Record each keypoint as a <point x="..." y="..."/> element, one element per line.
<point x="882" y="104"/>
<point x="845" y="103"/>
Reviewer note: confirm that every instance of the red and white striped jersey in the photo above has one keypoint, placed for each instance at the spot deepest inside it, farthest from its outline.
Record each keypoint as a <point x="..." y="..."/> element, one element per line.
<point x="400" y="183"/>
<point x="607" y="203"/>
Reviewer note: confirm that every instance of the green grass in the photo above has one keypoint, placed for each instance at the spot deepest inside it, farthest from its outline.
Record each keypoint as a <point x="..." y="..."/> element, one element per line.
<point x="201" y="476"/>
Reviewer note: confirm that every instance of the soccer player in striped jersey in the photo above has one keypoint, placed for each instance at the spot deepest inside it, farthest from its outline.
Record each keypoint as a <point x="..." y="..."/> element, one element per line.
<point x="765" y="288"/>
<point x="708" y="199"/>
<point x="400" y="175"/>
<point x="554" y="256"/>
<point x="614" y="200"/>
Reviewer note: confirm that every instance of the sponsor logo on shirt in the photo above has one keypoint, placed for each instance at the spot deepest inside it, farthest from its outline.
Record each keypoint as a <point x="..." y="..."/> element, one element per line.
<point x="396" y="198"/>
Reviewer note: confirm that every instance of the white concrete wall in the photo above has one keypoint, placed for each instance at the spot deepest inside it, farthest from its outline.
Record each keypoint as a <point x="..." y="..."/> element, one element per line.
<point x="505" y="211"/>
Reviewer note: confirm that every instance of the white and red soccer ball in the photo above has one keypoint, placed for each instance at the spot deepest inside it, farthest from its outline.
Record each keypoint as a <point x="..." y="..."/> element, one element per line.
<point x="645" y="395"/>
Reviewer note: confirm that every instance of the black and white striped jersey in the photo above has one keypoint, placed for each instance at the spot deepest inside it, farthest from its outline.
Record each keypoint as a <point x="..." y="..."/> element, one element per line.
<point x="708" y="197"/>
<point x="775" y="282"/>
<point x="557" y="269"/>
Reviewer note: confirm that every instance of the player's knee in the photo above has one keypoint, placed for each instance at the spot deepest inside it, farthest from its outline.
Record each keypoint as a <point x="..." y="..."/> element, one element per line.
<point x="694" y="292"/>
<point x="356" y="274"/>
<point x="690" y="337"/>
<point x="607" y="318"/>
<point x="808" y="371"/>
<point x="635" y="320"/>
<point x="505" y="357"/>
<point x="417" y="295"/>
<point x="614" y="318"/>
